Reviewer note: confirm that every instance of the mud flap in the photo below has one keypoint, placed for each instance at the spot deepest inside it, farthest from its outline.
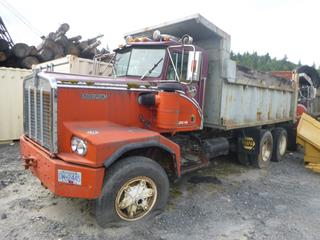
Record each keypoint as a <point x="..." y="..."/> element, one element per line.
<point x="249" y="141"/>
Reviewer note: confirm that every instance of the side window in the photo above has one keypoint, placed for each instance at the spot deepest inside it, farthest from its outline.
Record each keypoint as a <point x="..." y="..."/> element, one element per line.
<point x="181" y="64"/>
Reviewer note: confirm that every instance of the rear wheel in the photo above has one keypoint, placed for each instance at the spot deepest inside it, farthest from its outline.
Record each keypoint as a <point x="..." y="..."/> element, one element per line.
<point x="134" y="188"/>
<point x="280" y="143"/>
<point x="262" y="160"/>
<point x="292" y="135"/>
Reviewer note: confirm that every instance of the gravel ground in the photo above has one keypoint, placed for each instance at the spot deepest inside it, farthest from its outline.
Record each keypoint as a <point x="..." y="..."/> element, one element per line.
<point x="224" y="201"/>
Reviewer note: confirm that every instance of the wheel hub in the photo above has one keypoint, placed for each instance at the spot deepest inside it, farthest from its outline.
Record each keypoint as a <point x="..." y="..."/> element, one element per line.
<point x="282" y="145"/>
<point x="266" y="150"/>
<point x="136" y="198"/>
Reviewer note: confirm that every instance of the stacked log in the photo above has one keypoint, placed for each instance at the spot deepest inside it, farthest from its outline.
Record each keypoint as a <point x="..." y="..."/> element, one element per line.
<point x="4" y="50"/>
<point x="55" y="45"/>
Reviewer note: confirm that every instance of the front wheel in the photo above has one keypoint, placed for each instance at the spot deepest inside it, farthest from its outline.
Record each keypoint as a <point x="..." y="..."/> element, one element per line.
<point x="134" y="188"/>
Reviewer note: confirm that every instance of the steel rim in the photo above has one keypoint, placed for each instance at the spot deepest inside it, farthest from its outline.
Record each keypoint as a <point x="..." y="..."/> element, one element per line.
<point x="266" y="150"/>
<point x="136" y="198"/>
<point x="282" y="145"/>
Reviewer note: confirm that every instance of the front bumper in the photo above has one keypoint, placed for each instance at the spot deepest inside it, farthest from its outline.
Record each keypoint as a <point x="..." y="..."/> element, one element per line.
<point x="45" y="168"/>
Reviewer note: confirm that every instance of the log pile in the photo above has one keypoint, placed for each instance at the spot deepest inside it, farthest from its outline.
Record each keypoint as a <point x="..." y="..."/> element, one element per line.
<point x="55" y="45"/>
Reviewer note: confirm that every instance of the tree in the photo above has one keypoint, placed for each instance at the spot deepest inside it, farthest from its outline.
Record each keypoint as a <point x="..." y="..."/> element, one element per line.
<point x="299" y="63"/>
<point x="264" y="62"/>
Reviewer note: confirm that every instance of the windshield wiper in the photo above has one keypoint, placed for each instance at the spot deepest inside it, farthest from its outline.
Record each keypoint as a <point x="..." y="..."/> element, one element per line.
<point x="148" y="72"/>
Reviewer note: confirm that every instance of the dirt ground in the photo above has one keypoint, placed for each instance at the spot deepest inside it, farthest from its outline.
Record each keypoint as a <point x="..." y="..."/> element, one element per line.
<point x="225" y="201"/>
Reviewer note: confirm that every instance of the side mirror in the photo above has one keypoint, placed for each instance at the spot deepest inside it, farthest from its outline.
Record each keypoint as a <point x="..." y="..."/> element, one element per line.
<point x="194" y="65"/>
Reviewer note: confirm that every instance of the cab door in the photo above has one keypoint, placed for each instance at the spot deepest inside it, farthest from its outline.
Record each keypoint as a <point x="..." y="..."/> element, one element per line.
<point x="186" y="67"/>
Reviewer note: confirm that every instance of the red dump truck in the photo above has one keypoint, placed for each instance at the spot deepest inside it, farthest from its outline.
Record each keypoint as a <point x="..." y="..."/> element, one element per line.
<point x="176" y="100"/>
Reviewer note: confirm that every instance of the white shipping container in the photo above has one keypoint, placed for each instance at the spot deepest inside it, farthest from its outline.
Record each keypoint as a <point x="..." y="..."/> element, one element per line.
<point x="11" y="102"/>
<point x="76" y="65"/>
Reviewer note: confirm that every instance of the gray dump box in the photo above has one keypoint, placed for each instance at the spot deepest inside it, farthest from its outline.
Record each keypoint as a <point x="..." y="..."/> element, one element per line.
<point x="235" y="97"/>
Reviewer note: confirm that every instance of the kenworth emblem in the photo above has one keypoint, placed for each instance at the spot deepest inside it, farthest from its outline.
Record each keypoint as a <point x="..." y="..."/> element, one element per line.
<point x="93" y="96"/>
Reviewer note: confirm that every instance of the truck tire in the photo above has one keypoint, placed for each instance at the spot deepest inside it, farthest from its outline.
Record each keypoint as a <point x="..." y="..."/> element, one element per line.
<point x="280" y="143"/>
<point x="135" y="176"/>
<point x="262" y="159"/>
<point x="243" y="158"/>
<point x="292" y="136"/>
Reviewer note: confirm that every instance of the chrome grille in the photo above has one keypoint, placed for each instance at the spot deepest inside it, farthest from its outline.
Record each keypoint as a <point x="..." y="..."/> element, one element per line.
<point x="37" y="116"/>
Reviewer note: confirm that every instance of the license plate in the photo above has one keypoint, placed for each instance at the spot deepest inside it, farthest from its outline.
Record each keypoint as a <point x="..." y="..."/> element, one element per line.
<point x="70" y="177"/>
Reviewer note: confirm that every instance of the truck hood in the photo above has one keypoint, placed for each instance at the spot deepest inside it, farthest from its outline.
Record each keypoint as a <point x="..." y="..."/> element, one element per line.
<point x="104" y="139"/>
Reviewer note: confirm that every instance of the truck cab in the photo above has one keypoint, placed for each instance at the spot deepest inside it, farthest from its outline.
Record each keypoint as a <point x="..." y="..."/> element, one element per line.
<point x="80" y="128"/>
<point x="165" y="62"/>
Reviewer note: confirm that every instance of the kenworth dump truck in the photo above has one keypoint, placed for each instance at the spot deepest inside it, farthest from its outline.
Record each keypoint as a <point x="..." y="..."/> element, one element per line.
<point x="176" y="100"/>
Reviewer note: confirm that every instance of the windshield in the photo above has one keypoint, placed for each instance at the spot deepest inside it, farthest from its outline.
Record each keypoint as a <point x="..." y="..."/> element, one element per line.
<point x="138" y="61"/>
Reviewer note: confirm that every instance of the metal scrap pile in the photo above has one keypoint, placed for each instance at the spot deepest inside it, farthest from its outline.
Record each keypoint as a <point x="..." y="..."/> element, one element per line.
<point x="55" y="45"/>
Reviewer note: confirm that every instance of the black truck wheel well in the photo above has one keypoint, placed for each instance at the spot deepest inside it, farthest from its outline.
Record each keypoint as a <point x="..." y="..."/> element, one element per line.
<point x="153" y="150"/>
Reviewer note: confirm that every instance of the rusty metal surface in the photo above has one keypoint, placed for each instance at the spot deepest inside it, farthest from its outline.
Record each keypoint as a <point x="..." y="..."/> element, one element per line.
<point x="251" y="99"/>
<point x="46" y="168"/>
<point x="260" y="102"/>
<point x="283" y="74"/>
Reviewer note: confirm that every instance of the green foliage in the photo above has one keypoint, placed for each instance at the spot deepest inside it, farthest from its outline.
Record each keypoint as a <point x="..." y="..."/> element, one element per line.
<point x="263" y="62"/>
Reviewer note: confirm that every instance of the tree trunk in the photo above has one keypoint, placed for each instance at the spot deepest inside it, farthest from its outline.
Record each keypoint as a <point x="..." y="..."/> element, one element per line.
<point x="4" y="46"/>
<point x="73" y="50"/>
<point x="3" y="56"/>
<point x="21" y="50"/>
<point x="45" y="54"/>
<point x="75" y="39"/>
<point x="29" y="61"/>
<point x="33" y="51"/>
<point x="63" y="41"/>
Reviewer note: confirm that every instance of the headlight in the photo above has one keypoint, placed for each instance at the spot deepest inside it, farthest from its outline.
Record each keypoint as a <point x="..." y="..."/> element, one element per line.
<point x="79" y="146"/>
